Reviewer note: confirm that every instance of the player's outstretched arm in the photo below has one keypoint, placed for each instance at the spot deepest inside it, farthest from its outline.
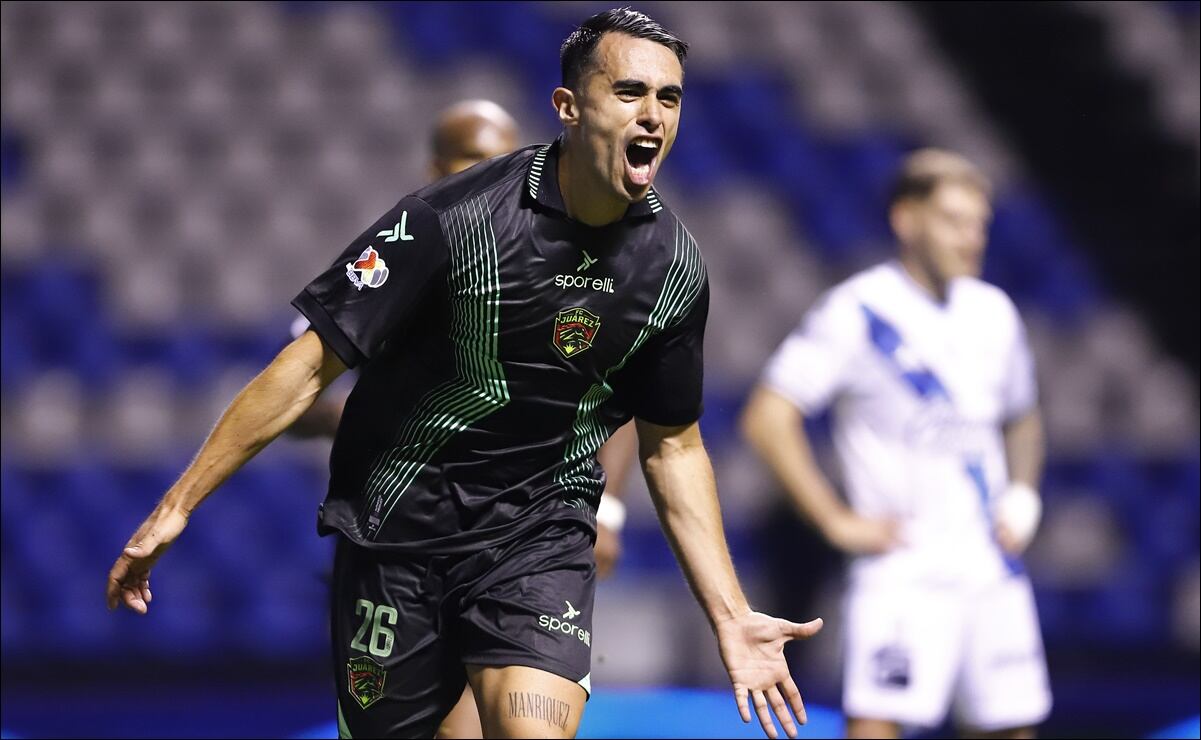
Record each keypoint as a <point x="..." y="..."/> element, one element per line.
<point x="775" y="429"/>
<point x="264" y="409"/>
<point x="681" y="483"/>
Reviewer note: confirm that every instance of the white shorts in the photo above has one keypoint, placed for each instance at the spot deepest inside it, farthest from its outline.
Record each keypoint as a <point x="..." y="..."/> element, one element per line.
<point x="911" y="650"/>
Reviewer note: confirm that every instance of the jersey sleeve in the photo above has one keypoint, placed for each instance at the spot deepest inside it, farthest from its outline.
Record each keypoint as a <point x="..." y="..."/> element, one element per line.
<point x="664" y="380"/>
<point x="811" y="365"/>
<point x="1020" y="390"/>
<point x="377" y="283"/>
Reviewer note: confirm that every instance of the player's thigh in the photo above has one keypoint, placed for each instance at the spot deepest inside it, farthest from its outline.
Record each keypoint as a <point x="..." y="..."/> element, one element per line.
<point x="396" y="676"/>
<point x="902" y="652"/>
<point x="1005" y="687"/>
<point x="518" y="701"/>
<point x="463" y="722"/>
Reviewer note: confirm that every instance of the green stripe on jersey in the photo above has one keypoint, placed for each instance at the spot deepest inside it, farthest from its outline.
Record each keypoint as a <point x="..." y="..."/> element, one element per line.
<point x="479" y="387"/>
<point x="685" y="278"/>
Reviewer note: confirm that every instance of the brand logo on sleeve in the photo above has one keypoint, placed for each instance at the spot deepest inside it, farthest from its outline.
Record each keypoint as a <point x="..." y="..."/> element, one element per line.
<point x="368" y="271"/>
<point x="575" y="328"/>
<point x="398" y="231"/>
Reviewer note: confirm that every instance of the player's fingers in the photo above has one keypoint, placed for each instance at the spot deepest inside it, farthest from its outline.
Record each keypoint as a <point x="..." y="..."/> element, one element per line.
<point x="793" y="695"/>
<point x="116" y="578"/>
<point x="744" y="710"/>
<point x="112" y="593"/>
<point x="802" y="631"/>
<point x="144" y="586"/>
<point x="893" y="534"/>
<point x="764" y="714"/>
<point x="1005" y="537"/>
<point x="133" y="600"/>
<point x="781" y="709"/>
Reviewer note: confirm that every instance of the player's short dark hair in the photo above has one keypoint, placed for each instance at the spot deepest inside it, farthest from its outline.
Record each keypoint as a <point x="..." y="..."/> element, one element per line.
<point x="576" y="54"/>
<point x="926" y="169"/>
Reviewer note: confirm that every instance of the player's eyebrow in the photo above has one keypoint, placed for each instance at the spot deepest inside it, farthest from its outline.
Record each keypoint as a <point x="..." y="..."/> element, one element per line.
<point x="638" y="87"/>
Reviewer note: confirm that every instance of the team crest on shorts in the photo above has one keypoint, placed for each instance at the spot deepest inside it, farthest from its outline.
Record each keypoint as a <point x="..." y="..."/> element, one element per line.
<point x="892" y="666"/>
<point x="365" y="680"/>
<point x="368" y="271"/>
<point x="575" y="329"/>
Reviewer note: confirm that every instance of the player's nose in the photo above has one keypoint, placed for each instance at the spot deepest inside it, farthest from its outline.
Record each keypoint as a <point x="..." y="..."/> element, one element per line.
<point x="650" y="114"/>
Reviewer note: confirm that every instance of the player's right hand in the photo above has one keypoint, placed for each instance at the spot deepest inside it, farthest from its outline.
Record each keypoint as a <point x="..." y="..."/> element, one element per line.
<point x="129" y="579"/>
<point x="858" y="535"/>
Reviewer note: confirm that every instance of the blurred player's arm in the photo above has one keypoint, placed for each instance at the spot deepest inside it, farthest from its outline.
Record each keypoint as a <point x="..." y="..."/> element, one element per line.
<point x="617" y="456"/>
<point x="1019" y="509"/>
<point x="267" y="406"/>
<point x="774" y="427"/>
<point x="680" y="478"/>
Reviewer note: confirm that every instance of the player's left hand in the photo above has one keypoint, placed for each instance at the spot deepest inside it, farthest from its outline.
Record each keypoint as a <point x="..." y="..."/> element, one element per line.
<point x="1009" y="542"/>
<point x="752" y="647"/>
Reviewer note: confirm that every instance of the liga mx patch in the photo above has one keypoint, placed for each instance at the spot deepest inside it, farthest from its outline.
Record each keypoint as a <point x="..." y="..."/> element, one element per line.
<point x="575" y="329"/>
<point x="368" y="271"/>
<point x="365" y="680"/>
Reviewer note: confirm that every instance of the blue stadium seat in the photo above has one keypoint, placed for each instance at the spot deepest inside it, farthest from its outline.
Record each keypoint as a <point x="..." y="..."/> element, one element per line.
<point x="288" y="616"/>
<point x="12" y="159"/>
<point x="1166" y="528"/>
<point x="191" y="615"/>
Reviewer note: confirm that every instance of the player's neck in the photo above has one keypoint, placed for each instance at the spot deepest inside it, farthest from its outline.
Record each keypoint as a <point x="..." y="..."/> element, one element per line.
<point x="925" y="280"/>
<point x="584" y="194"/>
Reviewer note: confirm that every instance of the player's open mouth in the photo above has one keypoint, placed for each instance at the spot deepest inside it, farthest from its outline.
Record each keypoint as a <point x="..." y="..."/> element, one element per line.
<point x="641" y="156"/>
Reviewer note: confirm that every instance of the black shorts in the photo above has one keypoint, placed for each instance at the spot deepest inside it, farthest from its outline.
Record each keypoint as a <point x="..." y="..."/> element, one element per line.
<point x="405" y="626"/>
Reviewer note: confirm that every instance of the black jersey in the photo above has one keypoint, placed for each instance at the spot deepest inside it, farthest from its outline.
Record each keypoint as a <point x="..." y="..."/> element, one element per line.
<point x="500" y="344"/>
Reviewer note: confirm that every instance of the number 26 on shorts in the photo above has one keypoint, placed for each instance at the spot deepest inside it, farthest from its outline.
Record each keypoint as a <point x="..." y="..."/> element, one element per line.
<point x="382" y="638"/>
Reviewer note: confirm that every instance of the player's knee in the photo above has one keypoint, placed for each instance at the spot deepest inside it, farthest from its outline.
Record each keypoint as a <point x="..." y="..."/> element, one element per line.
<point x="860" y="727"/>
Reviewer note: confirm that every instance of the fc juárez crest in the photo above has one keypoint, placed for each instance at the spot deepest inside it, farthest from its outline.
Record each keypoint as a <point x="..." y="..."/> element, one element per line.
<point x="575" y="329"/>
<point x="365" y="680"/>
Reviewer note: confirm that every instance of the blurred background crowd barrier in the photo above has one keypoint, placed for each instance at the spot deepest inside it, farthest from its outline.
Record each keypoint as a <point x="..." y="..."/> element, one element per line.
<point x="173" y="173"/>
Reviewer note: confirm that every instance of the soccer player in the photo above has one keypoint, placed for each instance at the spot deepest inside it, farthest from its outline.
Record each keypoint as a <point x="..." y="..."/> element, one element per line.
<point x="937" y="429"/>
<point x="464" y="135"/>
<point x="507" y="320"/>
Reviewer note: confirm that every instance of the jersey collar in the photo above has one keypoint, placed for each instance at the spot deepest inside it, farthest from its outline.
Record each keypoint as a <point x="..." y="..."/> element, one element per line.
<point x="542" y="184"/>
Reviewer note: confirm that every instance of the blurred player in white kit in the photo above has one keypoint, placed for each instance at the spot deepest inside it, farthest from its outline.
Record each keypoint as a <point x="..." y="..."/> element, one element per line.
<point x="937" y="430"/>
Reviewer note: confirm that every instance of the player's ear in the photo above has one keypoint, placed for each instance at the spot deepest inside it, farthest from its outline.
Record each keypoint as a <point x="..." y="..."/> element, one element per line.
<point x="902" y="220"/>
<point x="566" y="106"/>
